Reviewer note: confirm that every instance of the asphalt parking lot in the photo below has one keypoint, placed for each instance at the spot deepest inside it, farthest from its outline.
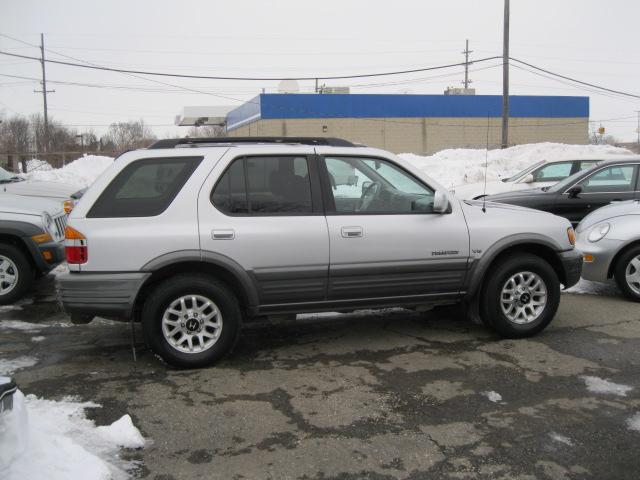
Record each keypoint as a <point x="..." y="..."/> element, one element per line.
<point x="375" y="395"/>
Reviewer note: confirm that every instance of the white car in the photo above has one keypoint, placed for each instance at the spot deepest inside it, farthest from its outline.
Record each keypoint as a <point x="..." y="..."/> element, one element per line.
<point x="18" y="185"/>
<point x="538" y="175"/>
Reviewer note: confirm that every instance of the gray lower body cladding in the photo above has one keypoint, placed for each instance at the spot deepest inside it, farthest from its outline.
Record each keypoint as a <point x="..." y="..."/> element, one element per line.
<point x="100" y="294"/>
<point x="571" y="261"/>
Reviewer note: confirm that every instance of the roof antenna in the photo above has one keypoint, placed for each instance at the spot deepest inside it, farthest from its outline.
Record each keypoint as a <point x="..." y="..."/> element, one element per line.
<point x="486" y="165"/>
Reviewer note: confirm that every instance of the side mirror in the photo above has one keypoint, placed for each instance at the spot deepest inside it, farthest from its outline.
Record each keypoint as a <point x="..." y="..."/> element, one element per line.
<point x="528" y="178"/>
<point x="441" y="203"/>
<point x="574" y="191"/>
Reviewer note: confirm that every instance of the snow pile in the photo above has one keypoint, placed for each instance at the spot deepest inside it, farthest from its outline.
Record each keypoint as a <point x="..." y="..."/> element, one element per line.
<point x="36" y="164"/>
<point x="561" y="438"/>
<point x="600" y="385"/>
<point x="81" y="172"/>
<point x="634" y="422"/>
<point x="8" y="366"/>
<point x="466" y="165"/>
<point x="55" y="440"/>
<point x="494" y="397"/>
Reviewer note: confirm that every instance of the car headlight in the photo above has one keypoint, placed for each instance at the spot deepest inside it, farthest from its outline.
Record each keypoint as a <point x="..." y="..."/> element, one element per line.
<point x="598" y="232"/>
<point x="47" y="222"/>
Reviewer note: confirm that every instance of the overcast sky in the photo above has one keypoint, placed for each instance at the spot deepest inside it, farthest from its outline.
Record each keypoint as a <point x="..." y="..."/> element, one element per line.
<point x="591" y="40"/>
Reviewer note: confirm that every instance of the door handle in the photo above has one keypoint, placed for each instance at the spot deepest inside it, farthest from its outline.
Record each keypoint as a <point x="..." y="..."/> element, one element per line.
<point x="223" y="234"/>
<point x="351" y="232"/>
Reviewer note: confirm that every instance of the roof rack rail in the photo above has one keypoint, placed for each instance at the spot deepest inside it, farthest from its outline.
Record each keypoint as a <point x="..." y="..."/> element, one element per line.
<point x="175" y="142"/>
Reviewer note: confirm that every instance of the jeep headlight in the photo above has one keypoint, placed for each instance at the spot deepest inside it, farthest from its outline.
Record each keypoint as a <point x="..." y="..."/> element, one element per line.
<point x="47" y="222"/>
<point x="598" y="232"/>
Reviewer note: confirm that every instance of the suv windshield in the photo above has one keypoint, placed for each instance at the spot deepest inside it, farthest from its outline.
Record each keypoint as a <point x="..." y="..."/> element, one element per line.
<point x="522" y="173"/>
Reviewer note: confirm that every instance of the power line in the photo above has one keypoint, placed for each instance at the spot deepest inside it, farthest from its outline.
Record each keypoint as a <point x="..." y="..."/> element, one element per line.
<point x="575" y="80"/>
<point x="265" y="79"/>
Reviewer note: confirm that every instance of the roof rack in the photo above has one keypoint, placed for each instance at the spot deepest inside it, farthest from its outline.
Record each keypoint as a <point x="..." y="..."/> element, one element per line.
<point x="193" y="142"/>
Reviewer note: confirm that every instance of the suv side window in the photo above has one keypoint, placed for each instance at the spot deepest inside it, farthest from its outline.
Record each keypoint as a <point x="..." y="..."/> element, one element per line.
<point x="553" y="173"/>
<point x="144" y="188"/>
<point x="264" y="186"/>
<point x="375" y="186"/>
<point x="617" y="178"/>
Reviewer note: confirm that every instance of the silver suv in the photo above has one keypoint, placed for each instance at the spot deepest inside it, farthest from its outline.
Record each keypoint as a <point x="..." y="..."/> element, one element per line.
<point x="193" y="236"/>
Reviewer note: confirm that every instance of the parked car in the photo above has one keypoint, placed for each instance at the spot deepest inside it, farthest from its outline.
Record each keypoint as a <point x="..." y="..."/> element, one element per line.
<point x="583" y="192"/>
<point x="540" y="174"/>
<point x="18" y="185"/>
<point x="31" y="242"/>
<point x="609" y="239"/>
<point x="192" y="241"/>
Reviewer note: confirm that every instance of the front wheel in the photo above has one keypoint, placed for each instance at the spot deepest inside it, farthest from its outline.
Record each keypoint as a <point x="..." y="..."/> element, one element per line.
<point x="191" y="321"/>
<point x="627" y="273"/>
<point x="16" y="274"/>
<point x="520" y="297"/>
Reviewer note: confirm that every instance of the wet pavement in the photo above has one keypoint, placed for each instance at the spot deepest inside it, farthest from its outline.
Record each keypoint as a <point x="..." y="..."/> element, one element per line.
<point x="370" y="395"/>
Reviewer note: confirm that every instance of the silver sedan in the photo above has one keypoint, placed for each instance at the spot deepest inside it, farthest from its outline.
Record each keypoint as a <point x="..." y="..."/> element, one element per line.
<point x="609" y="239"/>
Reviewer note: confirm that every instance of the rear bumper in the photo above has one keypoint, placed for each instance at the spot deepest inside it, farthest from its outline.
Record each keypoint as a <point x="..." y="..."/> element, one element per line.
<point x="571" y="261"/>
<point x="99" y="294"/>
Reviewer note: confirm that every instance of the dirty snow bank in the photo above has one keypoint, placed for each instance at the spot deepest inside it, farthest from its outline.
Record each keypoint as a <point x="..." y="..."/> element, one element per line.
<point x="8" y="366"/>
<point x="54" y="440"/>
<point x="456" y="166"/>
<point x="595" y="288"/>
<point x="81" y="172"/>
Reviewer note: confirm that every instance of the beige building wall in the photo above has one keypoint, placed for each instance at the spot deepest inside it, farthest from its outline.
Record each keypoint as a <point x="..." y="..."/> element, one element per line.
<point x="424" y="135"/>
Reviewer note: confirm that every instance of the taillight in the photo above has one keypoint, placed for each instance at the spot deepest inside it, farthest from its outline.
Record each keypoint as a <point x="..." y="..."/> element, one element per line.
<point x="75" y="246"/>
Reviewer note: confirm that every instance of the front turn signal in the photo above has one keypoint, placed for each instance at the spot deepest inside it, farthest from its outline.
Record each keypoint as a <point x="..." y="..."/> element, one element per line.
<point x="572" y="235"/>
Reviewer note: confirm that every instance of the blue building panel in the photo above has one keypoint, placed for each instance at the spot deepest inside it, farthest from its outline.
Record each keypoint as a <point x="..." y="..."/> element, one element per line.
<point x="289" y="106"/>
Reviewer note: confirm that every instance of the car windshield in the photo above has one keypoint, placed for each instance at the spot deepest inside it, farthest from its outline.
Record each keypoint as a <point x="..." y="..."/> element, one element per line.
<point x="563" y="184"/>
<point x="522" y="173"/>
<point x="7" y="176"/>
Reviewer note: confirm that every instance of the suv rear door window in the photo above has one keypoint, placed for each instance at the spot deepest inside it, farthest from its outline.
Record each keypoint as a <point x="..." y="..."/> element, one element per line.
<point x="144" y="188"/>
<point x="264" y="186"/>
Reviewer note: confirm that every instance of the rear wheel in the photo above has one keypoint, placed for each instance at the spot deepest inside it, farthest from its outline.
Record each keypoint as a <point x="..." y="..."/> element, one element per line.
<point x="16" y="274"/>
<point x="191" y="321"/>
<point x="627" y="273"/>
<point x="520" y="296"/>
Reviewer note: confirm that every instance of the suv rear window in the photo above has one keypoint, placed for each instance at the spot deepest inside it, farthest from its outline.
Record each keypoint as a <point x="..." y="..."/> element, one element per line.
<point x="144" y="188"/>
<point x="264" y="186"/>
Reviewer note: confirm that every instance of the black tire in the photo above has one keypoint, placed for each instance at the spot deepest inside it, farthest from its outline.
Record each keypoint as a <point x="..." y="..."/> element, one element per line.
<point x="490" y="295"/>
<point x="25" y="273"/>
<point x="619" y="272"/>
<point x="171" y="290"/>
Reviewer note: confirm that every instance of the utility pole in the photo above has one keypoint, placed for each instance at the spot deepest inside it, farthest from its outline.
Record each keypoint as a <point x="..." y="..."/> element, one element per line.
<point x="316" y="89"/>
<point x="505" y="77"/>
<point x="466" y="65"/>
<point x="44" y="92"/>
<point x="638" y="130"/>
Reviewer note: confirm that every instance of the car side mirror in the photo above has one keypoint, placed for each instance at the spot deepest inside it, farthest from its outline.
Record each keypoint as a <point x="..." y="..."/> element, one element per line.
<point x="528" y="178"/>
<point x="574" y="191"/>
<point x="441" y="202"/>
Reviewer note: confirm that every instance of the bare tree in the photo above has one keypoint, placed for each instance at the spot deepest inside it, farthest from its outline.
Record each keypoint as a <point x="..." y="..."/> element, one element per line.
<point x="60" y="138"/>
<point x="15" y="135"/>
<point x="127" y="135"/>
<point x="207" y="131"/>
